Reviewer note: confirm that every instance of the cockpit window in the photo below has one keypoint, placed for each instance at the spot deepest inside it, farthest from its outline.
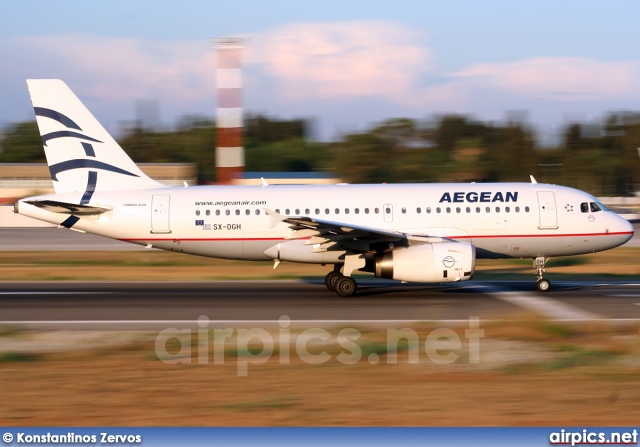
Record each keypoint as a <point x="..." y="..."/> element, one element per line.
<point x="584" y="207"/>
<point x="594" y="207"/>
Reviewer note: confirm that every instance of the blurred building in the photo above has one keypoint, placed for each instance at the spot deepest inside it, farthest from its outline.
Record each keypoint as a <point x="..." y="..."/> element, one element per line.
<point x="19" y="180"/>
<point x="287" y="178"/>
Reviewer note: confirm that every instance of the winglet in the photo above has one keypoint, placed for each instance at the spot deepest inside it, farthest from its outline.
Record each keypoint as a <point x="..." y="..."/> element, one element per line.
<point x="533" y="180"/>
<point x="264" y="182"/>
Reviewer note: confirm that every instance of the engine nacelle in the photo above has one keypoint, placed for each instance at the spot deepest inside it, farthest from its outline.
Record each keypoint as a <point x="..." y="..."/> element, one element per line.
<point x="438" y="262"/>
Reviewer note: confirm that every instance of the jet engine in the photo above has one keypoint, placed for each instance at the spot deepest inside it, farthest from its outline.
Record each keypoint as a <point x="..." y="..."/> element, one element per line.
<point x="437" y="262"/>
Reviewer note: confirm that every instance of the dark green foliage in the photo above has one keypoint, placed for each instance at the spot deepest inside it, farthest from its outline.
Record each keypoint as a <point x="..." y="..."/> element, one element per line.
<point x="21" y="143"/>
<point x="600" y="158"/>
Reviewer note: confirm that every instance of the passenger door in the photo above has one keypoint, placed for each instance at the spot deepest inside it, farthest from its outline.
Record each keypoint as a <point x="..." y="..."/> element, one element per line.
<point x="160" y="213"/>
<point x="547" y="210"/>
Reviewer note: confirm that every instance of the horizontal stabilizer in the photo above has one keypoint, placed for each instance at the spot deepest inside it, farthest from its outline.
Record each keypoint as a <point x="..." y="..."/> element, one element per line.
<point x="54" y="206"/>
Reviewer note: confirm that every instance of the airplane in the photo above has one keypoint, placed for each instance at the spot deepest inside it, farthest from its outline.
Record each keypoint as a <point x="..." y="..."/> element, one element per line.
<point x="425" y="233"/>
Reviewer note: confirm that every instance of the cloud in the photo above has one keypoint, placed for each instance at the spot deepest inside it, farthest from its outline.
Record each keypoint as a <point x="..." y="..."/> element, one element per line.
<point x="556" y="78"/>
<point x="125" y="68"/>
<point x="342" y="59"/>
<point x="341" y="71"/>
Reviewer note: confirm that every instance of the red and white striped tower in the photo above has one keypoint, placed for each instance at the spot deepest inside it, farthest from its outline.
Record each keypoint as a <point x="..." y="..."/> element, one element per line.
<point x="229" y="150"/>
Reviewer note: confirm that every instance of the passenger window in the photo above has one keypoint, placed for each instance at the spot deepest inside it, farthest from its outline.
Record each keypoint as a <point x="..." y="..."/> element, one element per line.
<point x="526" y="209"/>
<point x="307" y="211"/>
<point x="438" y="210"/>
<point x="217" y="212"/>
<point x="488" y="209"/>
<point x="457" y="209"/>
<point x="227" y="212"/>
<point x="247" y="212"/>
<point x="418" y="210"/>
<point x="366" y="210"/>
<point x="376" y="210"/>
<point x="297" y="211"/>
<point x="346" y="210"/>
<point x="507" y="209"/>
<point x="404" y="210"/>
<point x="337" y="210"/>
<point x="237" y="212"/>
<point x="286" y="211"/>
<point x="317" y="210"/>
<point x="497" y="209"/>
<point x="468" y="210"/>
<point x="448" y="210"/>
<point x="197" y="212"/>
<point x="594" y="207"/>
<point x="517" y="209"/>
<point x="208" y="213"/>
<point x="477" y="209"/>
<point x="428" y="210"/>
<point x="387" y="210"/>
<point x="257" y="212"/>
<point x="326" y="210"/>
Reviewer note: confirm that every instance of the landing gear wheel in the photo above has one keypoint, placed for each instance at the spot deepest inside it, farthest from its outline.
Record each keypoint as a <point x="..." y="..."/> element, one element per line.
<point x="331" y="279"/>
<point x="543" y="285"/>
<point x="346" y="286"/>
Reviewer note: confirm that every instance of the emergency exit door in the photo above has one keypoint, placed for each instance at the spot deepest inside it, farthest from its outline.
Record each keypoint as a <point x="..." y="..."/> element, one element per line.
<point x="387" y="210"/>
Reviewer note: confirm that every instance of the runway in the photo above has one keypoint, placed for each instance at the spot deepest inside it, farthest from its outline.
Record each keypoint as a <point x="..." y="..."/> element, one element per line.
<point x="152" y="305"/>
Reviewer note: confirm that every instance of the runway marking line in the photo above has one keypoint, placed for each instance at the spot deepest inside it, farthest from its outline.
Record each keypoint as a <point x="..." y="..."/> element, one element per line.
<point x="545" y="306"/>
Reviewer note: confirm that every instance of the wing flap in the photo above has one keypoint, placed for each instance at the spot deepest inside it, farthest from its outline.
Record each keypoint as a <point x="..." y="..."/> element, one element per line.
<point x="332" y="236"/>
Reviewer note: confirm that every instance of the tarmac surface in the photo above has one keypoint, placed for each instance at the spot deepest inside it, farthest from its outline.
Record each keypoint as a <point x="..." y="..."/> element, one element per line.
<point x="158" y="305"/>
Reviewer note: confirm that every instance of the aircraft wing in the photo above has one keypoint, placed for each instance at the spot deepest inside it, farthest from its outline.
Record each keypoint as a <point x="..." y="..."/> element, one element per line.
<point x="331" y="236"/>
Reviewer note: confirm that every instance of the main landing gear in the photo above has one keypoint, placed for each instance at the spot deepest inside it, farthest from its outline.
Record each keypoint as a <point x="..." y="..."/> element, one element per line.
<point x="542" y="284"/>
<point x="337" y="282"/>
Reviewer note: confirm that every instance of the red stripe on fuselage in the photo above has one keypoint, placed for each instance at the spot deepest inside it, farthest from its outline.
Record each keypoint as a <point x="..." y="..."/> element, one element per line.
<point x="490" y="236"/>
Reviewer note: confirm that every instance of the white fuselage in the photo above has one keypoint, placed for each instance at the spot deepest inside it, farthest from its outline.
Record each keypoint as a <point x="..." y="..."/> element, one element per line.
<point x="501" y="220"/>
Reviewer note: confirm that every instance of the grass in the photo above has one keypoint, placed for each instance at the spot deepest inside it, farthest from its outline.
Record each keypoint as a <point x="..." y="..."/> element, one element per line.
<point x="572" y="372"/>
<point x="9" y="330"/>
<point x="270" y="404"/>
<point x="16" y="357"/>
<point x="579" y="356"/>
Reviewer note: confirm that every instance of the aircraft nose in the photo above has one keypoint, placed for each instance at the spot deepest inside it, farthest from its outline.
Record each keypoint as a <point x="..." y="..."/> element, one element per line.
<point x="625" y="229"/>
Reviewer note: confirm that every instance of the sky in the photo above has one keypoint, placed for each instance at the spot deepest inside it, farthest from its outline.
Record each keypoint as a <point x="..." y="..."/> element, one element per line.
<point x="346" y="65"/>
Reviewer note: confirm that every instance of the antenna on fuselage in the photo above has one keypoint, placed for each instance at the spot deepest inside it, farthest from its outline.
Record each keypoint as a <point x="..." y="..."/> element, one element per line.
<point x="533" y="180"/>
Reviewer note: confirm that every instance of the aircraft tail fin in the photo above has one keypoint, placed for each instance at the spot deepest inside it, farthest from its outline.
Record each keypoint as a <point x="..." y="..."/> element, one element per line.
<point x="81" y="154"/>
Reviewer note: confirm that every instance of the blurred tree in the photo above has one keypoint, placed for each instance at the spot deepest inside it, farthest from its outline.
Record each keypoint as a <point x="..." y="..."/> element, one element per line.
<point x="21" y="143"/>
<point x="446" y="148"/>
<point x="269" y="130"/>
<point x="364" y="158"/>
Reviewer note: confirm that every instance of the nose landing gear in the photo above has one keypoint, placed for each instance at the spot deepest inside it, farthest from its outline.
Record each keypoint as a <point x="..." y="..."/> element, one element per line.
<point x="542" y="284"/>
